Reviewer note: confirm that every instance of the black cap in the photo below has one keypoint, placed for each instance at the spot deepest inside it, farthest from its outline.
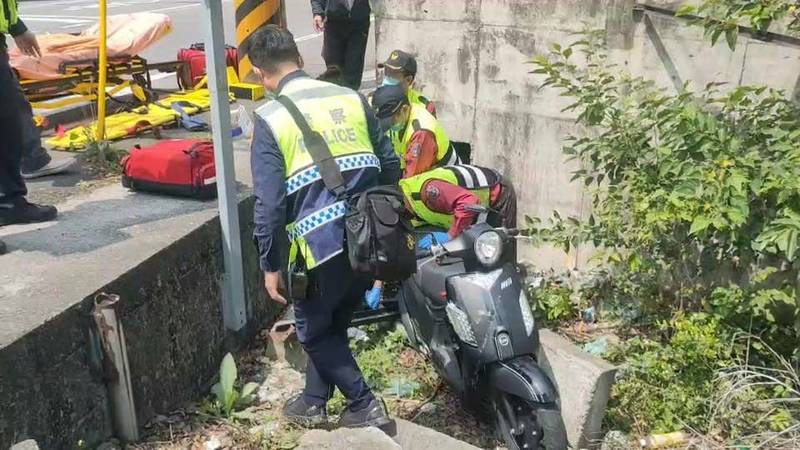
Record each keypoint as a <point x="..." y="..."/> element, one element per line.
<point x="386" y="101"/>
<point x="400" y="60"/>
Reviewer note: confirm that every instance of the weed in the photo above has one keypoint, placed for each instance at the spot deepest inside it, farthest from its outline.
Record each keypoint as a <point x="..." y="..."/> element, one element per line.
<point x="228" y="399"/>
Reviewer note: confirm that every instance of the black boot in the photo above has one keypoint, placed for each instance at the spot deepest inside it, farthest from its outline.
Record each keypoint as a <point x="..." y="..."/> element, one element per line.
<point x="296" y="410"/>
<point x="3" y="248"/>
<point x="21" y="211"/>
<point x="374" y="415"/>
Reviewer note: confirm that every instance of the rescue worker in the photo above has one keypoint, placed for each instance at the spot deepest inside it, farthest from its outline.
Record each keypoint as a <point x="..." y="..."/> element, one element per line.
<point x="442" y="196"/>
<point x="14" y="208"/>
<point x="400" y="69"/>
<point x="417" y="137"/>
<point x="297" y="218"/>
<point x="345" y="24"/>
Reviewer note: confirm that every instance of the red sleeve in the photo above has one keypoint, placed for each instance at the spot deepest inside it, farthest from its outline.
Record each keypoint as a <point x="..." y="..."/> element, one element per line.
<point x="446" y="198"/>
<point x="431" y="108"/>
<point x="420" y="153"/>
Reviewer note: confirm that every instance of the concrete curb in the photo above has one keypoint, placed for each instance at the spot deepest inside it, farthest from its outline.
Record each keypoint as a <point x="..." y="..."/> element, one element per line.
<point x="584" y="385"/>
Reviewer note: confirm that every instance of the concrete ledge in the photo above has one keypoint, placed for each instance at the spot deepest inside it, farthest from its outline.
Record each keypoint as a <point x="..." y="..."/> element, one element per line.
<point x="584" y="385"/>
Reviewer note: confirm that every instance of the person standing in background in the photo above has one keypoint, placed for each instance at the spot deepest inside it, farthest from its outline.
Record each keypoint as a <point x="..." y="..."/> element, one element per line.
<point x="346" y="27"/>
<point x="14" y="207"/>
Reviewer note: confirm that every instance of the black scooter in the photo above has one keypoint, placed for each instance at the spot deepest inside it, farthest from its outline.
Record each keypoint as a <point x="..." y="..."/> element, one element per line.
<point x="466" y="310"/>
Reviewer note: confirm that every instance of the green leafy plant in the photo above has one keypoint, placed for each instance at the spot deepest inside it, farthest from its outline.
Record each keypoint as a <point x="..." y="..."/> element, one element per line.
<point x="696" y="223"/>
<point x="723" y="17"/>
<point x="227" y="398"/>
<point x="667" y="381"/>
<point x="103" y="158"/>
<point x="552" y="302"/>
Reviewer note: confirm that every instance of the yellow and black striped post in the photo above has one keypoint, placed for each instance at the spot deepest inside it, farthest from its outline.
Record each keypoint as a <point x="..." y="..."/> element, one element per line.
<point x="251" y="14"/>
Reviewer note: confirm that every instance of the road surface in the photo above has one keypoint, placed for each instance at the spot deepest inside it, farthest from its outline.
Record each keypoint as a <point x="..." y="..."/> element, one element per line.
<point x="189" y="25"/>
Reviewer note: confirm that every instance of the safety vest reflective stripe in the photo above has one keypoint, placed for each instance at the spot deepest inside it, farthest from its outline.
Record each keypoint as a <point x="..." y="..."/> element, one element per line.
<point x="310" y="223"/>
<point x="315" y="222"/>
<point x="311" y="174"/>
<point x="478" y="180"/>
<point x="473" y="177"/>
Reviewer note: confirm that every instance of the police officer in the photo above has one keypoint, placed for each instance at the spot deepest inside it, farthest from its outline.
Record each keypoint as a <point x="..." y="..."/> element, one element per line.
<point x="400" y="69"/>
<point x="417" y="137"/>
<point x="298" y="219"/>
<point x="442" y="196"/>
<point x="14" y="208"/>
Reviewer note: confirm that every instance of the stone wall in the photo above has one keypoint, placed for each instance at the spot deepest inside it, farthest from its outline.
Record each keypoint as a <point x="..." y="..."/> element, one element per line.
<point x="51" y="383"/>
<point x="473" y="63"/>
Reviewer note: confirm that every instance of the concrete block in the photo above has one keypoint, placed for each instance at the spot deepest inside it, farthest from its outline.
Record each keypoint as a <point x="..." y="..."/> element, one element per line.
<point x="347" y="439"/>
<point x="427" y="10"/>
<point x="670" y="53"/>
<point x="584" y="385"/>
<point x="530" y="14"/>
<point x="411" y="436"/>
<point x="447" y="61"/>
<point x="30" y="444"/>
<point x="772" y="64"/>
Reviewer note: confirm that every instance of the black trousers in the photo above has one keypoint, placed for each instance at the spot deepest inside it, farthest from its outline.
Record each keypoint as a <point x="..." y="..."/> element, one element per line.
<point x="344" y="47"/>
<point x="322" y="319"/>
<point x="12" y="186"/>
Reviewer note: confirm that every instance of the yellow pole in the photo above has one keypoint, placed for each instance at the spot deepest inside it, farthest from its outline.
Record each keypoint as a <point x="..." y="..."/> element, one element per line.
<point x="250" y="15"/>
<point x="101" y="82"/>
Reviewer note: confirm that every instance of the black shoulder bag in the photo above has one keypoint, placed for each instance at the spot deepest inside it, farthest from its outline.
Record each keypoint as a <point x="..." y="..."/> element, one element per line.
<point x="380" y="239"/>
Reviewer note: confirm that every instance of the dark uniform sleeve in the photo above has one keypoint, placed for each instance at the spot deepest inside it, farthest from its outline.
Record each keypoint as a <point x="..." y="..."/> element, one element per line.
<point x="269" y="186"/>
<point x="18" y="28"/>
<point x="318" y="7"/>
<point x="390" y="162"/>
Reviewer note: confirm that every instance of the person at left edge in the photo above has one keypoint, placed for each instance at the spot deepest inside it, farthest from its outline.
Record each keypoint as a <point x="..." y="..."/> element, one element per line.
<point x="297" y="218"/>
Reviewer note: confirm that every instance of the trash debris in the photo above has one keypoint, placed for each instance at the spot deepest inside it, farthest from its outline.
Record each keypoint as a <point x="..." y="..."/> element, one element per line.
<point x="588" y="315"/>
<point x="668" y="440"/>
<point x="402" y="387"/>
<point x="597" y="347"/>
<point x="357" y="334"/>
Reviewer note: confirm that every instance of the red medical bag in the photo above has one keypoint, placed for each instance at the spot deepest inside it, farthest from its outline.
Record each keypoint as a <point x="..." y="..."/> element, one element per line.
<point x="195" y="68"/>
<point x="183" y="167"/>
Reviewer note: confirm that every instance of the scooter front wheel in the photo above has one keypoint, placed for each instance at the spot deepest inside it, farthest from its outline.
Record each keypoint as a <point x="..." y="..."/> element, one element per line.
<point x="523" y="425"/>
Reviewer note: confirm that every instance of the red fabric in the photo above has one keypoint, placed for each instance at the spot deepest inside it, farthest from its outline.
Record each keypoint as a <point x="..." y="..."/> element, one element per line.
<point x="421" y="153"/>
<point x="447" y="198"/>
<point x="173" y="162"/>
<point x="431" y="108"/>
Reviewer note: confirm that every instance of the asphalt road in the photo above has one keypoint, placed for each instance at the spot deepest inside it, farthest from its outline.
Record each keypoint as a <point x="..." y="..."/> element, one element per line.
<point x="188" y="20"/>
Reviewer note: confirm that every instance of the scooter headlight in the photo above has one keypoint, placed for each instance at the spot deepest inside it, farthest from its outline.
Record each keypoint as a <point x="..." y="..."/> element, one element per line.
<point x="527" y="315"/>
<point x="461" y="325"/>
<point x="489" y="248"/>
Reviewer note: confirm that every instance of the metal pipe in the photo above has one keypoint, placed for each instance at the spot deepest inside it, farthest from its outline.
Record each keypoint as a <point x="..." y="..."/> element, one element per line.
<point x="115" y="350"/>
<point x="234" y="308"/>
<point x="101" y="82"/>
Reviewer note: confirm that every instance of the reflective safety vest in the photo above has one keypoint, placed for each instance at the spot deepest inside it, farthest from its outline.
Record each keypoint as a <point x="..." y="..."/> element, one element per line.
<point x="416" y="98"/>
<point x="478" y="180"/>
<point x="421" y="119"/>
<point x="315" y="217"/>
<point x="8" y="18"/>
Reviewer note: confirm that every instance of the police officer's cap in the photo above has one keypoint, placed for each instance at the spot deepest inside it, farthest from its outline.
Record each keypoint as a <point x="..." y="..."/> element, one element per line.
<point x="400" y="60"/>
<point x="386" y="101"/>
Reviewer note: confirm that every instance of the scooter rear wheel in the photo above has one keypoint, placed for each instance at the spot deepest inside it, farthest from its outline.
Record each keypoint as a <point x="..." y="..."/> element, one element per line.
<point x="537" y="426"/>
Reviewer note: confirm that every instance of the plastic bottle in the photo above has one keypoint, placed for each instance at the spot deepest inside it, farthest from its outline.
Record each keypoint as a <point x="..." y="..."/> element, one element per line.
<point x="241" y="124"/>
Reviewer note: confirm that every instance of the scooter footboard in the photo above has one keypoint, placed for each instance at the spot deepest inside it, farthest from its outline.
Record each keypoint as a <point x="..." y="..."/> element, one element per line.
<point x="523" y="378"/>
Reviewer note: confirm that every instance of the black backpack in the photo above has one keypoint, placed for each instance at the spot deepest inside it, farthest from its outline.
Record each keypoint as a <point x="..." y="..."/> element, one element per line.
<point x="380" y="238"/>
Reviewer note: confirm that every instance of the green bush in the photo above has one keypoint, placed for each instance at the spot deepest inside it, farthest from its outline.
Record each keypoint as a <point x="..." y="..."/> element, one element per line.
<point x="696" y="218"/>
<point x="667" y="384"/>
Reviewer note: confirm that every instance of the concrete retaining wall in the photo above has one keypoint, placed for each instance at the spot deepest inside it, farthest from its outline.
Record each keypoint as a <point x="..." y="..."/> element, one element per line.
<point x="51" y="386"/>
<point x="473" y="64"/>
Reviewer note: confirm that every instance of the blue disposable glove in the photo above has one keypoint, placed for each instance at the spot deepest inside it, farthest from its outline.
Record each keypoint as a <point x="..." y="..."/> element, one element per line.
<point x="437" y="237"/>
<point x="373" y="297"/>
